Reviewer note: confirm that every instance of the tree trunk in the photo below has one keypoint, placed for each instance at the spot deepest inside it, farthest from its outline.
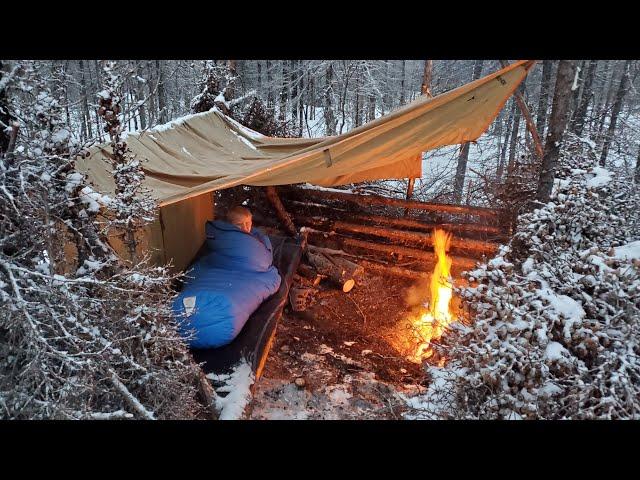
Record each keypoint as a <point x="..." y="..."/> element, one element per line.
<point x="294" y="93"/>
<point x="152" y="102"/>
<point x="505" y="144"/>
<point x="329" y="117"/>
<point x="425" y="88"/>
<point x="575" y="98"/>
<point x="617" y="106"/>
<point x="140" y="98"/>
<point x="259" y="78"/>
<point x="461" y="170"/>
<point x="557" y="125"/>
<point x="514" y="140"/>
<point x="162" y="96"/>
<point x="85" y="102"/>
<point x="283" y="93"/>
<point x="607" y="104"/>
<point x="357" y="117"/>
<point x="5" y="117"/>
<point x="230" y="89"/>
<point x="636" y="176"/>
<point x="600" y="95"/>
<point x="300" y="99"/>
<point x="402" y="75"/>
<point x="269" y="86"/>
<point x="543" y="101"/>
<point x="587" y="95"/>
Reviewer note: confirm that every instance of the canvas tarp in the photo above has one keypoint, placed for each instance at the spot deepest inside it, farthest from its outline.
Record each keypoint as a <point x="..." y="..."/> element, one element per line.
<point x="209" y="151"/>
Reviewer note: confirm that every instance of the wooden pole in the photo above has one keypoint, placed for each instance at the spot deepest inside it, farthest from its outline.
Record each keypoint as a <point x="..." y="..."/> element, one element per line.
<point x="527" y="116"/>
<point x="283" y="216"/>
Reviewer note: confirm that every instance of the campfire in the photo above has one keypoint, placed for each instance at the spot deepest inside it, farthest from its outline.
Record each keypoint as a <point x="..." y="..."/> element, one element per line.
<point x="431" y="324"/>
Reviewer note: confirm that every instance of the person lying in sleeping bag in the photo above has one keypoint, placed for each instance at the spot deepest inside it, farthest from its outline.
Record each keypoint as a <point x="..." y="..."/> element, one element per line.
<point x="228" y="283"/>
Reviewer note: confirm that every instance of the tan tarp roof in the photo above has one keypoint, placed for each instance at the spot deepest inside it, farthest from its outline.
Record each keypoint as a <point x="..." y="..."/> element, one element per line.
<point x="209" y="151"/>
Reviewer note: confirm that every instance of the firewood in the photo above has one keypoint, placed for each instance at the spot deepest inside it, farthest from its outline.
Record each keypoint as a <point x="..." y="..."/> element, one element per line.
<point x="339" y="270"/>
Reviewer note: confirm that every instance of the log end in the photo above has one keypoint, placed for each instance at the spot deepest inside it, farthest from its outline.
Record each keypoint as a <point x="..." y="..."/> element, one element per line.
<point x="348" y="285"/>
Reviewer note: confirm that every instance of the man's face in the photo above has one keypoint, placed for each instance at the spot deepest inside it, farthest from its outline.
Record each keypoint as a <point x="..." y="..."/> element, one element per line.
<point x="245" y="224"/>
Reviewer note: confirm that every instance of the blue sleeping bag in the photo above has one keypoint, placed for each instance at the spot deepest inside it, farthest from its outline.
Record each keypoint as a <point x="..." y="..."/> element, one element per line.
<point x="226" y="285"/>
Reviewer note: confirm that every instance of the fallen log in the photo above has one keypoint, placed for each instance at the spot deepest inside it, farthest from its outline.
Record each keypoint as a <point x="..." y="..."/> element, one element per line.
<point x="343" y="243"/>
<point x="339" y="270"/>
<point x="395" y="202"/>
<point x="423" y="239"/>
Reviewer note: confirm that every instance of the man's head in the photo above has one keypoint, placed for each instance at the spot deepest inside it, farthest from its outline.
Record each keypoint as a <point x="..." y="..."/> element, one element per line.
<point x="240" y="217"/>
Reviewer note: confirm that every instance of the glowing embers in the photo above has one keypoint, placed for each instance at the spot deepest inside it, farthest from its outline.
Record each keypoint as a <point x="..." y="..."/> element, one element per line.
<point x="431" y="325"/>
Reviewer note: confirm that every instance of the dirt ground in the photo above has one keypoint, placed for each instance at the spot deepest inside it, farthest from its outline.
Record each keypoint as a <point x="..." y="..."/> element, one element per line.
<point x="345" y="357"/>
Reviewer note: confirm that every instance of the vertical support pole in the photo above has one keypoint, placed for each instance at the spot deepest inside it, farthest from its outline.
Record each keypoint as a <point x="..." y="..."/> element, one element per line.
<point x="283" y="216"/>
<point x="412" y="182"/>
<point x="527" y="116"/>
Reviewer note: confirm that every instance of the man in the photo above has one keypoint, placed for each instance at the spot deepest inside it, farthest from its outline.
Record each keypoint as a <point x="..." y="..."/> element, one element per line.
<point x="228" y="282"/>
<point x="242" y="218"/>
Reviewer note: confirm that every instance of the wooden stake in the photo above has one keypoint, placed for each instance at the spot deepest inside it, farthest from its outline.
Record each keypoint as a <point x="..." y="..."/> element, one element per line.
<point x="412" y="181"/>
<point x="283" y="216"/>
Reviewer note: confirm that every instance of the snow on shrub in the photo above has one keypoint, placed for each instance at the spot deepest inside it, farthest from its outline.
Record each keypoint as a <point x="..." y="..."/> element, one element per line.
<point x="557" y="312"/>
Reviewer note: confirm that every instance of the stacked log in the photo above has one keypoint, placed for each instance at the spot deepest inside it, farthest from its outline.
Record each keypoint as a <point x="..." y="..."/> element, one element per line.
<point x="375" y="235"/>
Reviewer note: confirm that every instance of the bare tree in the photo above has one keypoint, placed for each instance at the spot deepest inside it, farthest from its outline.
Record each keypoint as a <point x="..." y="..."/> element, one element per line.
<point x="557" y="126"/>
<point x="543" y="101"/>
<point x="329" y="116"/>
<point x="587" y="96"/>
<point x="617" y="106"/>
<point x="461" y="170"/>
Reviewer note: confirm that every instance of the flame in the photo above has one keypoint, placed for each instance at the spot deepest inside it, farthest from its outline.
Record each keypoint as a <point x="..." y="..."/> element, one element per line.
<point x="432" y="324"/>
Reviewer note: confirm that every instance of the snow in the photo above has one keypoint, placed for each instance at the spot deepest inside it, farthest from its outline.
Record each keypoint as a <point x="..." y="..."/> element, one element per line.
<point x="308" y="186"/>
<point x="563" y="304"/>
<point x="527" y="266"/>
<point x="73" y="180"/>
<point x="93" y="199"/>
<point x="432" y="404"/>
<point x="245" y="141"/>
<point x="237" y="385"/>
<point x="186" y="151"/>
<point x="601" y="178"/>
<point x="630" y="251"/>
<point x="61" y="136"/>
<point x="252" y="134"/>
<point x="555" y="351"/>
